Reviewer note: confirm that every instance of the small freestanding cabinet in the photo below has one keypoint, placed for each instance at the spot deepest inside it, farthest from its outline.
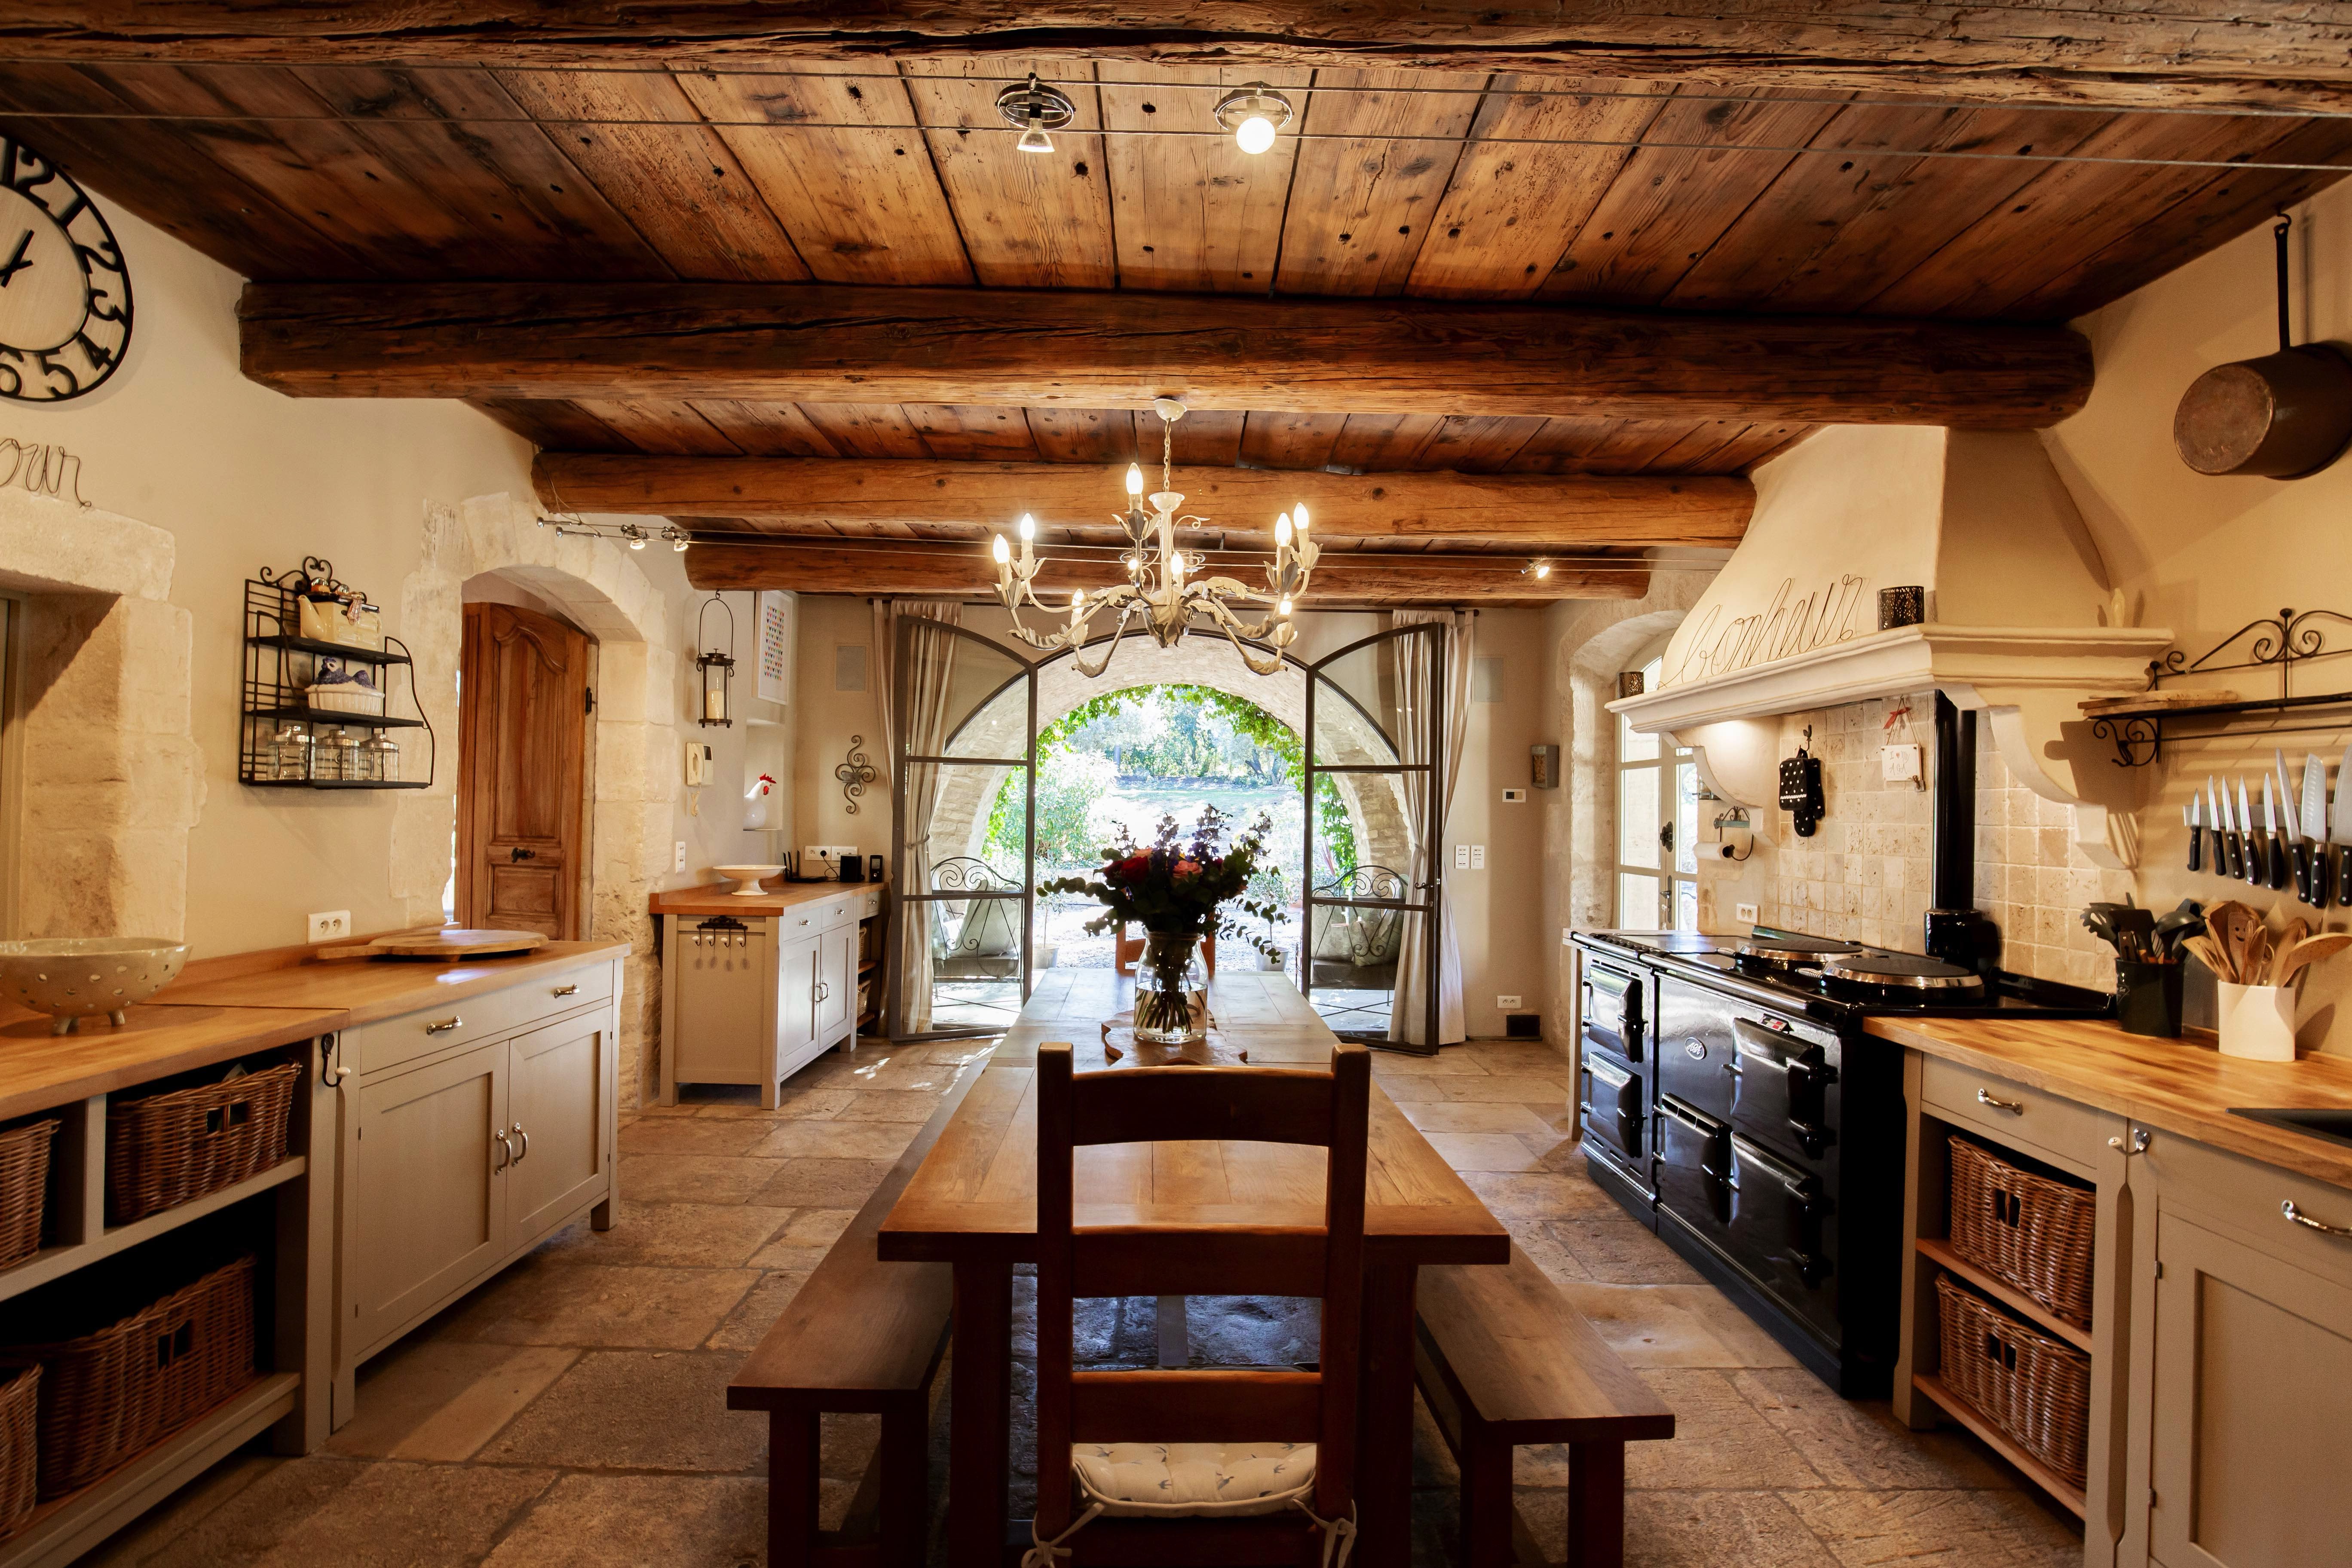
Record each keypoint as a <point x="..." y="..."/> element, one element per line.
<point x="755" y="987"/>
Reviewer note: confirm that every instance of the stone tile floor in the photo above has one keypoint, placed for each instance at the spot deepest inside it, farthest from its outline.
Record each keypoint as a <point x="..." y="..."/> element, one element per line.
<point x="571" y="1411"/>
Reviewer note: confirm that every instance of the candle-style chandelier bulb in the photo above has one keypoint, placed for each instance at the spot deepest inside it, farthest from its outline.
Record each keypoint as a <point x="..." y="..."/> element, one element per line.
<point x="1282" y="530"/>
<point x="1135" y="479"/>
<point x="1078" y="597"/>
<point x="1028" y="528"/>
<point x="1299" y="517"/>
<point x="1283" y="609"/>
<point x="1002" y="552"/>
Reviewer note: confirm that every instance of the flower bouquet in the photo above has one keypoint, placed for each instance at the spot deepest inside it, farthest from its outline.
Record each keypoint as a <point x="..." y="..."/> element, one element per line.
<point x="1177" y="891"/>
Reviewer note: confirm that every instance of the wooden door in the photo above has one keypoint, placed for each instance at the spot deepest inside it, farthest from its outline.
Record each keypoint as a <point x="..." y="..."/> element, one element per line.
<point x="424" y="1190"/>
<point x="2252" y="1393"/>
<point x="558" y="1080"/>
<point x="523" y="718"/>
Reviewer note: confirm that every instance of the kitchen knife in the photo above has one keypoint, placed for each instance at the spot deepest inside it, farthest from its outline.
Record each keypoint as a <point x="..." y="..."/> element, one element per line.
<point x="2339" y="830"/>
<point x="2289" y="859"/>
<point x="2196" y="833"/>
<point x="2313" y="822"/>
<point x="2258" y="866"/>
<point x="2229" y="858"/>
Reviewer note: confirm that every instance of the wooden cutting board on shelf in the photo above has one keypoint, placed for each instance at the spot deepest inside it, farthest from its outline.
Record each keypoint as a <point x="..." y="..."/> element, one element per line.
<point x="447" y="945"/>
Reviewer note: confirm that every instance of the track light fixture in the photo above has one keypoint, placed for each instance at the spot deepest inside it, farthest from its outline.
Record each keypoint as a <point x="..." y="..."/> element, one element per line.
<point x="637" y="536"/>
<point x="1036" y="107"/>
<point x="1253" y="114"/>
<point x="1538" y="570"/>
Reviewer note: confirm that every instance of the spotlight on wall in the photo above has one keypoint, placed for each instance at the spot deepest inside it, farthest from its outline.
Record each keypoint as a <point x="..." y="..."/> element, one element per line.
<point x="1036" y="107"/>
<point x="1538" y="570"/>
<point x="1253" y="114"/>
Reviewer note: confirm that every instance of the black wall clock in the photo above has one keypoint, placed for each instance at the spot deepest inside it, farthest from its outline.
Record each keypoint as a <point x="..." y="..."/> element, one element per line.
<point x="65" y="298"/>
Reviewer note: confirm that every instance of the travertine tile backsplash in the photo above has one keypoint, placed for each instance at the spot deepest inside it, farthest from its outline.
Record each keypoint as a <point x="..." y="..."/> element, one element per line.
<point x="1865" y="874"/>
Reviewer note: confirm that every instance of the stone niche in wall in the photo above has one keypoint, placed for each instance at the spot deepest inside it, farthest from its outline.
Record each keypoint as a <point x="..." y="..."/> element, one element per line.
<point x="111" y="778"/>
<point x="2020" y="622"/>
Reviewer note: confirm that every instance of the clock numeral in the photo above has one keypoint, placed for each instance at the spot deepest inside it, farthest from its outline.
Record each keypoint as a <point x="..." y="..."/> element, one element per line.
<point x="49" y="367"/>
<point x="103" y="358"/>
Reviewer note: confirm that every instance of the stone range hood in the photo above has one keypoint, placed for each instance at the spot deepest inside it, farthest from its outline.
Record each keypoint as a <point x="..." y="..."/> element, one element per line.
<point x="2018" y="616"/>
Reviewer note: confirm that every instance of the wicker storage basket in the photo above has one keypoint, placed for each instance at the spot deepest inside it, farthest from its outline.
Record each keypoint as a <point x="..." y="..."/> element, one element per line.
<point x="23" y="1190"/>
<point x="2023" y="1229"/>
<point x="2035" y="1388"/>
<point x="168" y="1148"/>
<point x="105" y="1396"/>
<point x="19" y="1476"/>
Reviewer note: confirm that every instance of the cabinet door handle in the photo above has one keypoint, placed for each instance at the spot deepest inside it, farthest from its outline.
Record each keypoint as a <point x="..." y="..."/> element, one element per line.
<point x="2289" y="1209"/>
<point x="566" y="990"/>
<point x="505" y="1149"/>
<point x="2013" y="1107"/>
<point x="445" y="1026"/>
<point x="518" y="1131"/>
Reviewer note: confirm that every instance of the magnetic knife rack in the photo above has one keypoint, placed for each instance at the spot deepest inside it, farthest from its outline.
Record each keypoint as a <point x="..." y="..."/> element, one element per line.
<point x="2282" y="643"/>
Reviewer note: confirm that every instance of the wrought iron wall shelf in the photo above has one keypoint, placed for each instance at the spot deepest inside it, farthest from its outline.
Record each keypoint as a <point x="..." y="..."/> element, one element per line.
<point x="2282" y="644"/>
<point x="281" y="664"/>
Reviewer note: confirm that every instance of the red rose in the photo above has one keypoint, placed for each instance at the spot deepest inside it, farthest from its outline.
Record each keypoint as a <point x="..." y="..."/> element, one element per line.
<point x="1133" y="867"/>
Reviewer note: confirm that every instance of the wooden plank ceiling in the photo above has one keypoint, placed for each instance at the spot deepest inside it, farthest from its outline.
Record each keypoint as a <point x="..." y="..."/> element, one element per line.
<point x="1438" y="185"/>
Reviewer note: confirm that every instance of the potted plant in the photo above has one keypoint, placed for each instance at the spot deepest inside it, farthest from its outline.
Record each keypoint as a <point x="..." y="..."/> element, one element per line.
<point x="1176" y="890"/>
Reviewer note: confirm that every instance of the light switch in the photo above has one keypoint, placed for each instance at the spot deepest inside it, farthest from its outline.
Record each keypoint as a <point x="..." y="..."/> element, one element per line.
<point x="1515" y="796"/>
<point x="1461" y="857"/>
<point x="677" y="861"/>
<point x="1477" y="857"/>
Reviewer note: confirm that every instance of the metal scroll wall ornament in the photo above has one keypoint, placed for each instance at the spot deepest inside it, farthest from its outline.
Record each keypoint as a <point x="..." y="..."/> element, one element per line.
<point x="2280" y="642"/>
<point x="854" y="773"/>
<point x="2282" y="416"/>
<point x="65" y="295"/>
<point x="1164" y="589"/>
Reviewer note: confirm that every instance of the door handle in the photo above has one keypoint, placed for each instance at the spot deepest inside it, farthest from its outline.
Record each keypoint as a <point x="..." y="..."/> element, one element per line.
<point x="518" y="1131"/>
<point x="446" y="1025"/>
<point x="2291" y="1211"/>
<point x="520" y="853"/>
<point x="505" y="1149"/>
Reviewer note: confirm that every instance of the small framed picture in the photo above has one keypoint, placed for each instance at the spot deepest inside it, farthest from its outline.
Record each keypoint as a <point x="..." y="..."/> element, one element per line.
<point x="779" y="624"/>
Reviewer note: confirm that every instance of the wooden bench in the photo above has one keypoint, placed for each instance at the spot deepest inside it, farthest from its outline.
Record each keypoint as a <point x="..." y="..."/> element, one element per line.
<point x="1503" y="1359"/>
<point x="861" y="1336"/>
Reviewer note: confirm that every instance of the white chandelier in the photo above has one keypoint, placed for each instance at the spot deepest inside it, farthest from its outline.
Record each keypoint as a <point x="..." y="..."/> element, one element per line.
<point x="1164" y="589"/>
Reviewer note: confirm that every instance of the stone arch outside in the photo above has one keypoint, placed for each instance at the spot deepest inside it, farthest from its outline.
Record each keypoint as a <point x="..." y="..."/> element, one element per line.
<point x="633" y="742"/>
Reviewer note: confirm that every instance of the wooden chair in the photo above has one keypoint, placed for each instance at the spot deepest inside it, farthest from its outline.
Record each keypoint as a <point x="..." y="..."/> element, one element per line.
<point x="1220" y="1407"/>
<point x="1125" y="951"/>
<point x="1502" y="1359"/>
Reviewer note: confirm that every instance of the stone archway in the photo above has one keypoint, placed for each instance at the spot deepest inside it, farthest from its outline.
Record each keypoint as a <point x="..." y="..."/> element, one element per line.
<point x="633" y="784"/>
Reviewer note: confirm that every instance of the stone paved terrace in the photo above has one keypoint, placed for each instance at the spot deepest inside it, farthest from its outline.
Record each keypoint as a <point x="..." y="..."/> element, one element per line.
<point x="571" y="1411"/>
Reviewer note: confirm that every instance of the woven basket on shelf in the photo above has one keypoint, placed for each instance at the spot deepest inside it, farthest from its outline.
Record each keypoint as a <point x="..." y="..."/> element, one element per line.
<point x="107" y="1395"/>
<point x="168" y="1148"/>
<point x="19" y="1476"/>
<point x="2024" y="1230"/>
<point x="2033" y="1388"/>
<point x="23" y="1189"/>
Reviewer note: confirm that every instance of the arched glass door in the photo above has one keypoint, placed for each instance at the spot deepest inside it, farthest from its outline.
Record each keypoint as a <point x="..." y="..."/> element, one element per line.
<point x="964" y="713"/>
<point x="1375" y="723"/>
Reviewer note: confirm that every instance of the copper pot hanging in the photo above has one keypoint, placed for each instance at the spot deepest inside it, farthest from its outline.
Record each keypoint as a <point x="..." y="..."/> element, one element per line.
<point x="2283" y="415"/>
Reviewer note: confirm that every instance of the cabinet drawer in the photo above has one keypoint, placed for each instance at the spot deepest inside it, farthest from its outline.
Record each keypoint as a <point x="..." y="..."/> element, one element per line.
<point x="2240" y="1199"/>
<point x="2023" y="1115"/>
<point x="371" y="1047"/>
<point x="820" y="915"/>
<point x="871" y="904"/>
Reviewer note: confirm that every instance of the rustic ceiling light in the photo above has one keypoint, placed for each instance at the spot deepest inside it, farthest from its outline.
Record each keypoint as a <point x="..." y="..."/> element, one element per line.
<point x="1036" y="107"/>
<point x="1538" y="570"/>
<point x="1163" y="588"/>
<point x="1253" y="114"/>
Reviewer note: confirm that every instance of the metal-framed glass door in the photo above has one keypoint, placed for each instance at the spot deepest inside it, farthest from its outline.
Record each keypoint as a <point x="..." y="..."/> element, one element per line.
<point x="965" y="726"/>
<point x="1375" y="728"/>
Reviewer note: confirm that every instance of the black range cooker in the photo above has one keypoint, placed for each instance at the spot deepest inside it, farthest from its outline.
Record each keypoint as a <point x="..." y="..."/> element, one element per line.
<point x="1731" y="1101"/>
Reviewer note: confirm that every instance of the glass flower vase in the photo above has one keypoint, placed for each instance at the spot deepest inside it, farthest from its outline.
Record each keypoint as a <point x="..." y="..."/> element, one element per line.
<point x="1171" y="991"/>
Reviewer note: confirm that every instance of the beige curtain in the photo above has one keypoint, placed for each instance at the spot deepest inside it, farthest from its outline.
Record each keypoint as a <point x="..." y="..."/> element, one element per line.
<point x="1412" y="659"/>
<point x="929" y="676"/>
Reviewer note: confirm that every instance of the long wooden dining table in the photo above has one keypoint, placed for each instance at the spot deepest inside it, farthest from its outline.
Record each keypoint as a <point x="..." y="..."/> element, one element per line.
<point x="972" y="1204"/>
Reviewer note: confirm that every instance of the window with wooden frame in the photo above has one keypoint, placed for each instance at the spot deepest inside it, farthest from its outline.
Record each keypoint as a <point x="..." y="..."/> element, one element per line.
<point x="1657" y="822"/>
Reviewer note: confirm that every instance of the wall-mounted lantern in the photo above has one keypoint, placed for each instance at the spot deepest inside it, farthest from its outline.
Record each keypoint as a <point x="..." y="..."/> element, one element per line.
<point x="717" y="665"/>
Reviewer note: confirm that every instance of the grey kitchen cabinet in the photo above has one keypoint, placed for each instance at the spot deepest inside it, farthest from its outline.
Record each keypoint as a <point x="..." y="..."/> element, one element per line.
<point x="459" y="1158"/>
<point x="796" y="990"/>
<point x="2248" y="1370"/>
<point x="753" y="992"/>
<point x="836" y="980"/>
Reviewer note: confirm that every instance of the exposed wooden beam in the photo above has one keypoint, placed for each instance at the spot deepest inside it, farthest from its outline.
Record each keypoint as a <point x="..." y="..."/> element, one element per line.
<point x="829" y="343"/>
<point x="2210" y="52"/>
<point x="966" y="572"/>
<point x="1546" y="511"/>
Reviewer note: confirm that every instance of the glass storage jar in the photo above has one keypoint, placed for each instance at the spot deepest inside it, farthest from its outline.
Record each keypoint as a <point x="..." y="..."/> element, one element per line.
<point x="289" y="753"/>
<point x="379" y="759"/>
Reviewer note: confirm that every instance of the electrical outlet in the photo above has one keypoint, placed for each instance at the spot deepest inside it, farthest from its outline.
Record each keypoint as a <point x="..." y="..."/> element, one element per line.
<point x="1514" y="797"/>
<point x="1477" y="857"/>
<point x="1745" y="912"/>
<point x="677" y="861"/>
<point x="329" y="925"/>
<point x="1507" y="1003"/>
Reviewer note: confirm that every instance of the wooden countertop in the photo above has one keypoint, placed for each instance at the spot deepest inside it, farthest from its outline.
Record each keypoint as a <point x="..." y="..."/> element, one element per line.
<point x="2185" y="1086"/>
<point x="39" y="1070"/>
<point x="715" y="898"/>
<point x="362" y="990"/>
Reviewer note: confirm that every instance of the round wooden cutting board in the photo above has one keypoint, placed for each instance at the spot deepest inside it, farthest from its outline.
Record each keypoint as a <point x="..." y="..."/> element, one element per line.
<point x="445" y="945"/>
